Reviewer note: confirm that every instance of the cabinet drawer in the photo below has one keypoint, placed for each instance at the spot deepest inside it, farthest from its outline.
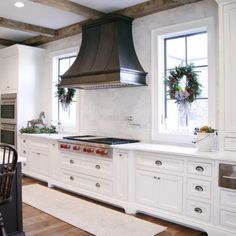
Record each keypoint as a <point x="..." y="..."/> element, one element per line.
<point x="23" y="141"/>
<point x="91" y="166"/>
<point x="159" y="163"/>
<point x="40" y="145"/>
<point x="23" y="152"/>
<point x="199" y="188"/>
<point x="228" y="198"/>
<point x="228" y="219"/>
<point x="87" y="182"/>
<point x="200" y="168"/>
<point x="198" y="210"/>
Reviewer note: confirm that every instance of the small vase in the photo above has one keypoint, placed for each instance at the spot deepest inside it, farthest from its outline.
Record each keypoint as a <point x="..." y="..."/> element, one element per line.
<point x="205" y="142"/>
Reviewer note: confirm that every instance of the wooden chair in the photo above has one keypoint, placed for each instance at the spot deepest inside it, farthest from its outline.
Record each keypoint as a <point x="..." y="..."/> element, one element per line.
<point x="8" y="161"/>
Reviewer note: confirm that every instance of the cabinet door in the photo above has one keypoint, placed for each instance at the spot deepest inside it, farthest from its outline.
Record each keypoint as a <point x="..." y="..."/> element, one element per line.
<point x="229" y="47"/>
<point x="170" y="192"/>
<point x="39" y="162"/>
<point x="120" y="177"/>
<point x="146" y="188"/>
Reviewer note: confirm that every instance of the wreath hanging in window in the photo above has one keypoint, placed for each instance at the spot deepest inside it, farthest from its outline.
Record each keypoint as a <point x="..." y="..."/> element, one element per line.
<point x="65" y="95"/>
<point x="192" y="88"/>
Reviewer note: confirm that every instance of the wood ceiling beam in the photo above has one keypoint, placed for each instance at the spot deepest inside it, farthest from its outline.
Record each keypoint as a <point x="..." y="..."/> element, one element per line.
<point x="69" y="6"/>
<point x="136" y="11"/>
<point x="17" y="25"/>
<point x="7" y="42"/>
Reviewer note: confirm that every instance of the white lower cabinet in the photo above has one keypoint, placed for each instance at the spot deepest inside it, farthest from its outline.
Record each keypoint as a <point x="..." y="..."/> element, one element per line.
<point x="159" y="190"/>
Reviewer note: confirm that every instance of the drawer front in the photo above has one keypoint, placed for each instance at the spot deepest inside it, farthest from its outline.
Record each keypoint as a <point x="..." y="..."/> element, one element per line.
<point x="89" y="183"/>
<point x="200" y="168"/>
<point x="198" y="210"/>
<point x="199" y="188"/>
<point x="23" y="152"/>
<point x="91" y="166"/>
<point x="228" y="198"/>
<point x="228" y="219"/>
<point x="23" y="141"/>
<point x="39" y="145"/>
<point x="159" y="163"/>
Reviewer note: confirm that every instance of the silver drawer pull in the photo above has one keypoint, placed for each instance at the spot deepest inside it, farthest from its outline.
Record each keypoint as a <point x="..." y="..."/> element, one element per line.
<point x="38" y="153"/>
<point x="24" y="164"/>
<point x="97" y="185"/>
<point x="199" y="169"/>
<point x="199" y="188"/>
<point x="198" y="210"/>
<point x="24" y="152"/>
<point x="71" y="161"/>
<point x="158" y="163"/>
<point x="98" y="167"/>
<point x="230" y="177"/>
<point x="71" y="178"/>
<point x="24" y="141"/>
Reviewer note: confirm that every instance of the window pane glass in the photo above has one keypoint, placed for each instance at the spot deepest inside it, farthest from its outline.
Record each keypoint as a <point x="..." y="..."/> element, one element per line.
<point x="197" y="49"/>
<point x="64" y="65"/>
<point x="175" y="52"/>
<point x="203" y="80"/>
<point x="72" y="59"/>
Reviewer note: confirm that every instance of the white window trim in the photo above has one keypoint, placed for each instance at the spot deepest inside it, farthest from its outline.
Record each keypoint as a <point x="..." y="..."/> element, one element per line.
<point x="157" y="36"/>
<point x="54" y="60"/>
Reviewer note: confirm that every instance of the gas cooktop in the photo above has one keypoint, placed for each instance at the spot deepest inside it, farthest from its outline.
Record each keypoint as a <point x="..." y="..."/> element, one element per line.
<point x="100" y="140"/>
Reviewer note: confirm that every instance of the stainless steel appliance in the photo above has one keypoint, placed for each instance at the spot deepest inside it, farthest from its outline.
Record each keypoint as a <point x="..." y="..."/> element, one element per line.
<point x="227" y="176"/>
<point x="8" y="134"/>
<point x="8" y="108"/>
<point x="91" y="145"/>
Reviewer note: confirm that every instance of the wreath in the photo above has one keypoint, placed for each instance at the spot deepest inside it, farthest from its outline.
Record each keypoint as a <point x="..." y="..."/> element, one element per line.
<point x="192" y="87"/>
<point x="65" y="95"/>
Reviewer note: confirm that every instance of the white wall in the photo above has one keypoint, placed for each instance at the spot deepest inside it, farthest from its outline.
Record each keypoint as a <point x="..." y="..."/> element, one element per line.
<point x="105" y="112"/>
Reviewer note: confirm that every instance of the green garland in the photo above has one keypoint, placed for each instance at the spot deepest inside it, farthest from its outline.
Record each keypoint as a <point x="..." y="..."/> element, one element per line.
<point x="192" y="88"/>
<point x="65" y="96"/>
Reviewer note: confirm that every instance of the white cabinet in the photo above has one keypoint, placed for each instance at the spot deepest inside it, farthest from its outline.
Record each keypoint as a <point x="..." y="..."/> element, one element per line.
<point x="120" y="176"/>
<point x="158" y="181"/>
<point x="227" y="36"/>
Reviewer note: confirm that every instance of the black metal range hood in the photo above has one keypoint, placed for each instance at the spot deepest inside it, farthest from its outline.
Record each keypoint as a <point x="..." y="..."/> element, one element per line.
<point x="107" y="57"/>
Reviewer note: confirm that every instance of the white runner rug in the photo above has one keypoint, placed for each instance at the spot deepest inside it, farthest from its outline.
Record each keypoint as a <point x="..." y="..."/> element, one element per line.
<point x="93" y="218"/>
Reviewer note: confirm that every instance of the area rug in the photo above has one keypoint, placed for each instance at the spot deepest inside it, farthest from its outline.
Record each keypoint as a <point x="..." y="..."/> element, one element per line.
<point x="91" y="217"/>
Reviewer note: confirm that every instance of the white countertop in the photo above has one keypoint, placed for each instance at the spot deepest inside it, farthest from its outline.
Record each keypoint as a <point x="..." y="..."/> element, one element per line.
<point x="177" y="150"/>
<point x="46" y="136"/>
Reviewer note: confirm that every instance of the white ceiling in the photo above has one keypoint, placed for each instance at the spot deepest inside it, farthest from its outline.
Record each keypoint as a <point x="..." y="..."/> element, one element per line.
<point x="37" y="14"/>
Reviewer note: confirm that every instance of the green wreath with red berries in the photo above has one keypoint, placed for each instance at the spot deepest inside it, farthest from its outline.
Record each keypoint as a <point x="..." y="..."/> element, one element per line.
<point x="192" y="87"/>
<point x="65" y="96"/>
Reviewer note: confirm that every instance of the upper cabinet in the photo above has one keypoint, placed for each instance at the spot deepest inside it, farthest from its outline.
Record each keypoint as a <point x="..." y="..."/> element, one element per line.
<point x="227" y="36"/>
<point x="21" y="72"/>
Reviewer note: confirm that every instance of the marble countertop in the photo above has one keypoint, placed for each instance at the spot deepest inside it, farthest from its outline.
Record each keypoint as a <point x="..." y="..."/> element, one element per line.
<point x="45" y="136"/>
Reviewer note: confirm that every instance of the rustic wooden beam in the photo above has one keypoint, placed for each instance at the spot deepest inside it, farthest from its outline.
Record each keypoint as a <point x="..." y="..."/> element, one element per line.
<point x="69" y="6"/>
<point x="139" y="10"/>
<point x="7" y="42"/>
<point x="17" y="25"/>
<point x="153" y="6"/>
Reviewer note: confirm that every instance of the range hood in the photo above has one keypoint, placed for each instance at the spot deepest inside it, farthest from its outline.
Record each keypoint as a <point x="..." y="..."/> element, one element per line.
<point x="107" y="57"/>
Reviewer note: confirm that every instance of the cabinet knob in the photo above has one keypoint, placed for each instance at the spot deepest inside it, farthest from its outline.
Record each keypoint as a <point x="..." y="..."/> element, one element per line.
<point x="24" y="164"/>
<point x="71" y="178"/>
<point x="198" y="210"/>
<point x="199" y="169"/>
<point x="24" y="152"/>
<point x="24" y="141"/>
<point x="38" y="153"/>
<point x="158" y="163"/>
<point x="71" y="161"/>
<point x="98" y="167"/>
<point x="8" y="86"/>
<point x="199" y="188"/>
<point x="97" y="185"/>
<point x="120" y="155"/>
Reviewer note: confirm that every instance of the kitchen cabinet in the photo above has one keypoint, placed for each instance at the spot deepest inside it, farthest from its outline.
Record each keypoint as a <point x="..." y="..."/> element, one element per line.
<point x="227" y="33"/>
<point x="159" y="190"/>
<point x="21" y="73"/>
<point x="120" y="176"/>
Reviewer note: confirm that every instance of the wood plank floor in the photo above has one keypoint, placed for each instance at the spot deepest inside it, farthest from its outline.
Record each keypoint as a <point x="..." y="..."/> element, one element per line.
<point x="38" y="223"/>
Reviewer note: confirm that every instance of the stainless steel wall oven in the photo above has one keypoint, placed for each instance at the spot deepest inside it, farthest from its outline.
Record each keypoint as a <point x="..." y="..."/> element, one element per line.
<point x="8" y="134"/>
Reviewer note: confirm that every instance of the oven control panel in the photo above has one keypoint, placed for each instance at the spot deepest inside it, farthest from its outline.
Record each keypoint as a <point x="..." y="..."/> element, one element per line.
<point x="85" y="149"/>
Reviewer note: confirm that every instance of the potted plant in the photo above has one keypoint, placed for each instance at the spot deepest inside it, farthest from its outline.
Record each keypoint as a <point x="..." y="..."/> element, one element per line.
<point x="205" y="138"/>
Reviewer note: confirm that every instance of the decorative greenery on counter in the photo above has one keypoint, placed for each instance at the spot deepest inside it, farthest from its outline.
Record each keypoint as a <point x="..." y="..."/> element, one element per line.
<point x="37" y="130"/>
<point x="205" y="129"/>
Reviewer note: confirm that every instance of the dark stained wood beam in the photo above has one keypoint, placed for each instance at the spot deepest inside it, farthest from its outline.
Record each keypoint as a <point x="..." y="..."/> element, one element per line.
<point x="69" y="6"/>
<point x="136" y="11"/>
<point x="7" y="42"/>
<point x="17" y="25"/>
<point x="153" y="6"/>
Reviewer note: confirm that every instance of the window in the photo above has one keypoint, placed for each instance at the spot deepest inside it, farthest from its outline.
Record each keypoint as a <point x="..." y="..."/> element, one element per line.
<point x="182" y="50"/>
<point x="61" y="116"/>
<point x="181" y="44"/>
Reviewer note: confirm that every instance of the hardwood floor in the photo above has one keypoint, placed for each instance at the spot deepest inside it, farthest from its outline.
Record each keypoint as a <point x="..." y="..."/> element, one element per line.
<point x="38" y="223"/>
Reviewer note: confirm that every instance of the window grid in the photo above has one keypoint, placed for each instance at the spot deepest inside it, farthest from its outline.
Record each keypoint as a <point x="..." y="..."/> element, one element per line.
<point x="185" y="36"/>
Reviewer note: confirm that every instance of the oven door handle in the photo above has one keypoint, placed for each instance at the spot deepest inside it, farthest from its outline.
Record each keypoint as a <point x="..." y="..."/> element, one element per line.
<point x="229" y="177"/>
